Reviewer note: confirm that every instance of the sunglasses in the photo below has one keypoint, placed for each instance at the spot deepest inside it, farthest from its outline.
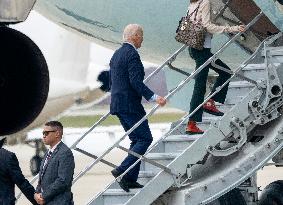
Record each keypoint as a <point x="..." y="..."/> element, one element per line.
<point x="45" y="133"/>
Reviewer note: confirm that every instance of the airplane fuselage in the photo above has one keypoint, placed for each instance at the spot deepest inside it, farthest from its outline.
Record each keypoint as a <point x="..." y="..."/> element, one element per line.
<point x="103" y="22"/>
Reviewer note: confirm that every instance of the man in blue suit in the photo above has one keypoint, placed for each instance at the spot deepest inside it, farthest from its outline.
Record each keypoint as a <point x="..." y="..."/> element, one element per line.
<point x="127" y="90"/>
<point x="11" y="174"/>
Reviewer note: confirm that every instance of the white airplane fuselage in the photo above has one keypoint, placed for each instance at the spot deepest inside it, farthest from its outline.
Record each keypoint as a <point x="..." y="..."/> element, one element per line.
<point x="103" y="22"/>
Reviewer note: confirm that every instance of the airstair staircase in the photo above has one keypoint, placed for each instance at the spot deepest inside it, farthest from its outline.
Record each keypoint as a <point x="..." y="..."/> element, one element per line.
<point x="201" y="168"/>
<point x="197" y="169"/>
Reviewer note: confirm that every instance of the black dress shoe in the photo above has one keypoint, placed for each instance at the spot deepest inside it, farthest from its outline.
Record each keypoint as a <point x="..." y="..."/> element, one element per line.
<point x="124" y="185"/>
<point x="134" y="185"/>
<point x="115" y="173"/>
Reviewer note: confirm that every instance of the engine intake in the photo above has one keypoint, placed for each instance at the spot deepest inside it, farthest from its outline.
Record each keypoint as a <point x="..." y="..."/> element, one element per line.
<point x="24" y="81"/>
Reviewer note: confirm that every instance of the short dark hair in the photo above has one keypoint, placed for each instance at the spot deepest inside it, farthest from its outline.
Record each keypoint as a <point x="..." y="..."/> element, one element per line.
<point x="56" y="124"/>
<point x="2" y="142"/>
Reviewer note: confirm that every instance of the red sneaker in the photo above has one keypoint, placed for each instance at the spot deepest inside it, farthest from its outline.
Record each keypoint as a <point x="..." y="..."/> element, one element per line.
<point x="210" y="108"/>
<point x="192" y="128"/>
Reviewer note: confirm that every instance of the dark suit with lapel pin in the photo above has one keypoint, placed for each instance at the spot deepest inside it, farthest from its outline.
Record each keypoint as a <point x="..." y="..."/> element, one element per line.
<point x="55" y="178"/>
<point x="127" y="90"/>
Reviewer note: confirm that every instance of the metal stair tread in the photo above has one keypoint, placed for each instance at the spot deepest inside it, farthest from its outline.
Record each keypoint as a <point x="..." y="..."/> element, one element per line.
<point x="118" y="192"/>
<point x="241" y="84"/>
<point x="145" y="174"/>
<point x="231" y="102"/>
<point x="180" y="138"/>
<point x="276" y="51"/>
<point x="205" y="120"/>
<point x="210" y="118"/>
<point x="161" y="156"/>
<point x="260" y="66"/>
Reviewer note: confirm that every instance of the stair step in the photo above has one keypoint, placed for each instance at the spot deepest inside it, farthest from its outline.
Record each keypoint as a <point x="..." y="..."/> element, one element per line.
<point x="238" y="88"/>
<point x="181" y="138"/>
<point x="230" y="100"/>
<point x="204" y="125"/>
<point x="222" y="107"/>
<point x="178" y="143"/>
<point x="276" y="52"/>
<point x="254" y="71"/>
<point x="161" y="158"/>
<point x="254" y="67"/>
<point x="144" y="177"/>
<point x="174" y="143"/>
<point x="117" y="196"/>
<point x="240" y="84"/>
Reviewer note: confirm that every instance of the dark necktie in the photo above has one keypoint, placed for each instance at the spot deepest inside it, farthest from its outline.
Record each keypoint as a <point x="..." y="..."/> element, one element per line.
<point x="48" y="155"/>
<point x="47" y="158"/>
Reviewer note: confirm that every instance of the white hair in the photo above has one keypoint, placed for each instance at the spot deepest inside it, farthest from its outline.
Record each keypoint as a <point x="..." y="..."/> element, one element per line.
<point x="131" y="30"/>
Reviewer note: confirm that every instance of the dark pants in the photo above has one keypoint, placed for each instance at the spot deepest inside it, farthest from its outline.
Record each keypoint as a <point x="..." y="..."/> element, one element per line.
<point x="200" y="57"/>
<point x="140" y="140"/>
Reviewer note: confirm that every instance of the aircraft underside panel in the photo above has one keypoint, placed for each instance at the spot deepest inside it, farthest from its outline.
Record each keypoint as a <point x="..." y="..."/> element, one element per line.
<point x="13" y="11"/>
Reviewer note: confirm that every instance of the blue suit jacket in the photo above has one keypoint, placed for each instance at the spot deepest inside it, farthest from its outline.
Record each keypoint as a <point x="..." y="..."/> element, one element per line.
<point x="126" y="80"/>
<point x="11" y="174"/>
<point x="55" y="179"/>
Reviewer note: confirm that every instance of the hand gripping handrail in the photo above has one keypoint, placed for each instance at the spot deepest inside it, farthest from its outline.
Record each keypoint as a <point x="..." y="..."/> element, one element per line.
<point x="180" y="86"/>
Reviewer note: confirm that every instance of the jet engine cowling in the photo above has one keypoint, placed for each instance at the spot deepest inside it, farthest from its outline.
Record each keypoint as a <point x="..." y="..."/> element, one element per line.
<point x="24" y="81"/>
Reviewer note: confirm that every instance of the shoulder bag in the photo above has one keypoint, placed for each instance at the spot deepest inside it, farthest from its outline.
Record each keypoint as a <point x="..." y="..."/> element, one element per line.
<point x="191" y="33"/>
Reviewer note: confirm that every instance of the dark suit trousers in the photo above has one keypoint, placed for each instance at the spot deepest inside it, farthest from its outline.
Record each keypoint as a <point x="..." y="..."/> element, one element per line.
<point x="141" y="139"/>
<point x="200" y="57"/>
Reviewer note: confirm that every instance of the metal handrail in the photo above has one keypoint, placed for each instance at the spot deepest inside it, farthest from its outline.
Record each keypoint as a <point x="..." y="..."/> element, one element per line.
<point x="116" y="144"/>
<point x="146" y="80"/>
<point x="142" y="157"/>
<point x="184" y="118"/>
<point x="180" y="86"/>
<point x="104" y="117"/>
<point x="208" y="97"/>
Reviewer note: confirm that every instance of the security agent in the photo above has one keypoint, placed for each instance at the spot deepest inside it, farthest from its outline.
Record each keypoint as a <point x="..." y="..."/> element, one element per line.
<point x="11" y="174"/>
